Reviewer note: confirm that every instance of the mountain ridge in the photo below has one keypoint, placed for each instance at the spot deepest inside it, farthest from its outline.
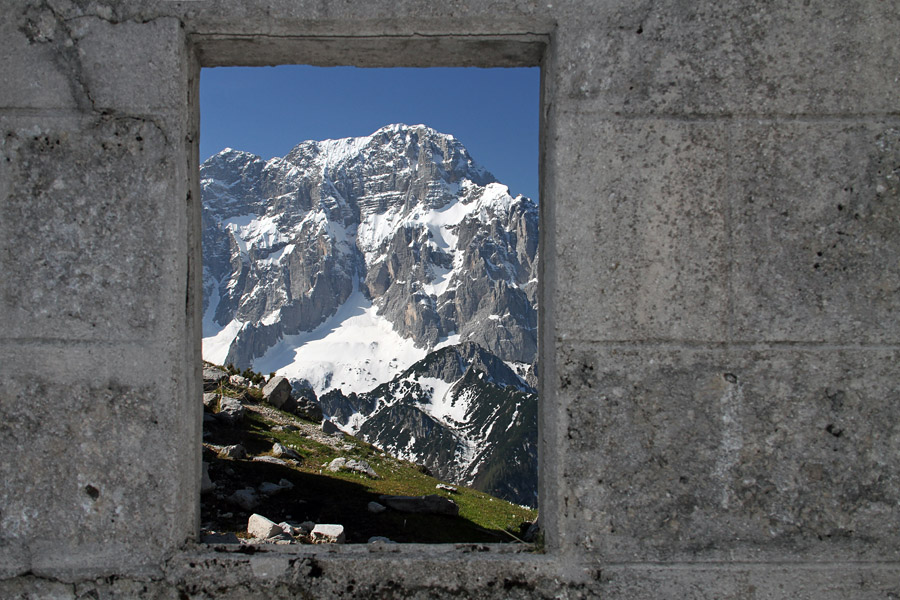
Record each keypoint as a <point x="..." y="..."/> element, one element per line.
<point x="288" y="242"/>
<point x="347" y="262"/>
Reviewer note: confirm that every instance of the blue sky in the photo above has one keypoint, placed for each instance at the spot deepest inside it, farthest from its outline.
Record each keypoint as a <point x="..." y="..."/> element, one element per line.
<point x="268" y="110"/>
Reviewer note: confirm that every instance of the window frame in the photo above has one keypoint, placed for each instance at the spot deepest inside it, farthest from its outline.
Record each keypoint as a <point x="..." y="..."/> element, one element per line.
<point x="526" y="49"/>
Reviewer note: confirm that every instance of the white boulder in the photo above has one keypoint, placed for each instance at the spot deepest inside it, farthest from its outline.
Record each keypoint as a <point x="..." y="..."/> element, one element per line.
<point x="328" y="534"/>
<point x="262" y="528"/>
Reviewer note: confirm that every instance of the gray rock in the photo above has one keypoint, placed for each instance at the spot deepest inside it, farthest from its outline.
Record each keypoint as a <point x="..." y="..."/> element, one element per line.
<point x="277" y="392"/>
<point x="360" y="466"/>
<point x="375" y="508"/>
<point x="271" y="460"/>
<point x="206" y="484"/>
<point x="329" y="427"/>
<point x="234" y="452"/>
<point x="336" y="465"/>
<point x="532" y="532"/>
<point x="446" y="488"/>
<point x="308" y="408"/>
<point x="328" y="534"/>
<point x="231" y="411"/>
<point x="262" y="528"/>
<point x="210" y="400"/>
<point x="292" y="529"/>
<point x="212" y="376"/>
<point x="267" y="488"/>
<point x="282" y="451"/>
<point x="430" y="504"/>
<point x="239" y="380"/>
<point x="285" y="428"/>
<point x="307" y="527"/>
<point x="245" y="498"/>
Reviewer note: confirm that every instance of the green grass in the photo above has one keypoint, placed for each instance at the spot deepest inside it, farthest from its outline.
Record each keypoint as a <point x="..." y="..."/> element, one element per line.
<point x="323" y="496"/>
<point x="397" y="477"/>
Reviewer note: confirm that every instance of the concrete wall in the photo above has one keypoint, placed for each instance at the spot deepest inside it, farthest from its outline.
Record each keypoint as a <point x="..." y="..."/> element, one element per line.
<point x="721" y="233"/>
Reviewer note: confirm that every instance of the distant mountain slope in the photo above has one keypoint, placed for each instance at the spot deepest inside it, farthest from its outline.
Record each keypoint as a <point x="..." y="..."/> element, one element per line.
<point x="461" y="412"/>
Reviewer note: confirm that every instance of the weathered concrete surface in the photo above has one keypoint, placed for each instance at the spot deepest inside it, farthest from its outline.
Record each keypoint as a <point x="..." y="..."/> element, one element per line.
<point x="720" y="192"/>
<point x="644" y="237"/>
<point x="729" y="460"/>
<point x="830" y="207"/>
<point x="86" y="204"/>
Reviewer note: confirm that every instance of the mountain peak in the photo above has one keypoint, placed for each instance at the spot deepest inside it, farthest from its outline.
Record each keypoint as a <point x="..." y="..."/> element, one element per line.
<point x="348" y="261"/>
<point x="404" y="215"/>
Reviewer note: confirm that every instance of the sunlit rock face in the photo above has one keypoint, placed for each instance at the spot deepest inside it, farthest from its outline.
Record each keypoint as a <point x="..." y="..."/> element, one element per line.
<point x="404" y="216"/>
<point x="397" y="279"/>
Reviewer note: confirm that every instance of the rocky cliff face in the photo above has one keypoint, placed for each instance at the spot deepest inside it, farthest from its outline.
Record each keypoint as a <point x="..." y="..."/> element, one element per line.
<point x="405" y="216"/>
<point x="347" y="263"/>
<point x="461" y="412"/>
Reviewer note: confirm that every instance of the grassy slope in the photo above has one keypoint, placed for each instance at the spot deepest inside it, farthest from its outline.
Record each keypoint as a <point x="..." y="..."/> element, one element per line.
<point x="325" y="497"/>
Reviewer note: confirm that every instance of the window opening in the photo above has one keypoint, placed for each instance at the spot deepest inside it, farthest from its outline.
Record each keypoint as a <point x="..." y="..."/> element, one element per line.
<point x="370" y="260"/>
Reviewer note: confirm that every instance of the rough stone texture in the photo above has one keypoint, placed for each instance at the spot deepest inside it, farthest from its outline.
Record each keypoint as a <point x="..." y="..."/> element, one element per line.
<point x="85" y="443"/>
<point x="277" y="392"/>
<point x="282" y="451"/>
<point x="743" y="462"/>
<point x="727" y="58"/>
<point x="231" y="411"/>
<point x="260" y="527"/>
<point x="328" y="534"/>
<point x="95" y="197"/>
<point x="719" y="414"/>
<point x="42" y="79"/>
<point x="831" y="209"/>
<point x="650" y="247"/>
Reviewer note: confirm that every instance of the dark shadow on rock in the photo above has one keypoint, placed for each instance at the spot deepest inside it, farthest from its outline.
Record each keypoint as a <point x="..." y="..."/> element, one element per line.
<point x="324" y="499"/>
<point x="316" y="497"/>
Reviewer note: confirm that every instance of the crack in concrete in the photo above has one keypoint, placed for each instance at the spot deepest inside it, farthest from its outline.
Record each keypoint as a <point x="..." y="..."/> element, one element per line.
<point x="69" y="59"/>
<point x="35" y="28"/>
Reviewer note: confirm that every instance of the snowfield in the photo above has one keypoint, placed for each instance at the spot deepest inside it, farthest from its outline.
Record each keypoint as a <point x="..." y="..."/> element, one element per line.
<point x="354" y="350"/>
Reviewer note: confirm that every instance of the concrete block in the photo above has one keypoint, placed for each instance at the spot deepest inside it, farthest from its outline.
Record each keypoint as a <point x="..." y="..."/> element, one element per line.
<point x="750" y="581"/>
<point x="639" y="229"/>
<point x="33" y="73"/>
<point x="691" y="454"/>
<point x="381" y="571"/>
<point x="131" y="67"/>
<point x="98" y="472"/>
<point x="727" y="58"/>
<point x="93" y="229"/>
<point x="815" y="213"/>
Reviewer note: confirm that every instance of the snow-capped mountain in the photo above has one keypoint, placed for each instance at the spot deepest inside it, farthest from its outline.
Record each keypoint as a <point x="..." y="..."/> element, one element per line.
<point x="347" y="262"/>
<point x="461" y="412"/>
<point x="400" y="232"/>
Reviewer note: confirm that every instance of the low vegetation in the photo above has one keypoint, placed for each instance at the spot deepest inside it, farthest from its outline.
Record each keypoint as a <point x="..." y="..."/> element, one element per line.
<point x="322" y="496"/>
